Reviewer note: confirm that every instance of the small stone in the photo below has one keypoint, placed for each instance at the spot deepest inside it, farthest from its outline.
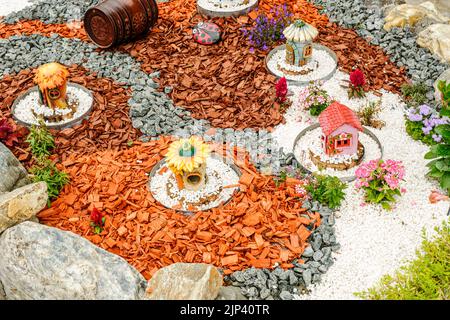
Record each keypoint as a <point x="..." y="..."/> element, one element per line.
<point x="307" y="277"/>
<point x="318" y="255"/>
<point x="285" y="295"/>
<point x="308" y="252"/>
<point x="230" y="293"/>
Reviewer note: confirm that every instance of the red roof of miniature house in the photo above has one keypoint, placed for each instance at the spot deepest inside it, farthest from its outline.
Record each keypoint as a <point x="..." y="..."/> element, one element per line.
<point x="336" y="115"/>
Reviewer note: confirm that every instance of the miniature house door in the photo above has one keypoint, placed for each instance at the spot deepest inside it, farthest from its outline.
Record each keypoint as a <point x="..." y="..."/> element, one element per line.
<point x="307" y="51"/>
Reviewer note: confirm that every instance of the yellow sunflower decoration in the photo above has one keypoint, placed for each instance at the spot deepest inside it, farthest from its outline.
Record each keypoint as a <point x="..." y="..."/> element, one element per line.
<point x="51" y="79"/>
<point x="186" y="155"/>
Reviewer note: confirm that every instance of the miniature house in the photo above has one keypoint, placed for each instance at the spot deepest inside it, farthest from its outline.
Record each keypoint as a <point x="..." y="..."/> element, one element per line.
<point x="51" y="79"/>
<point x="340" y="129"/>
<point x="299" y="38"/>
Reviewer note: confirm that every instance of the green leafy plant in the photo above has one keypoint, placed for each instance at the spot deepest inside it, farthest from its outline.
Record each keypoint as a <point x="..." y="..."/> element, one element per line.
<point x="380" y="180"/>
<point x="368" y="114"/>
<point x="41" y="141"/>
<point x="327" y="190"/>
<point x="425" y="278"/>
<point x="444" y="88"/>
<point x="47" y="171"/>
<point x="415" y="93"/>
<point x="439" y="167"/>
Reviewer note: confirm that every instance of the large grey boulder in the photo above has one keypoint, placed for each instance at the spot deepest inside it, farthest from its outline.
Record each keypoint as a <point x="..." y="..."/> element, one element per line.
<point x="22" y="204"/>
<point x="12" y="174"/>
<point x="185" y="281"/>
<point x="40" y="262"/>
<point x="2" y="292"/>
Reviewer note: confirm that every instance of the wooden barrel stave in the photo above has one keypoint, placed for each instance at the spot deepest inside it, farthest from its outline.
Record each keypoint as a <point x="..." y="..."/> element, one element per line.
<point x="112" y="22"/>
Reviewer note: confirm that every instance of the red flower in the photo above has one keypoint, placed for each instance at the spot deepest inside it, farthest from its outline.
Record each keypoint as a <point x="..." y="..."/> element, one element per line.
<point x="357" y="78"/>
<point x="282" y="89"/>
<point x="97" y="217"/>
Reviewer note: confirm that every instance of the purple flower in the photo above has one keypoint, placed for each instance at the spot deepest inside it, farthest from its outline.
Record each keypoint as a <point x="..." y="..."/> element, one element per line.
<point x="437" y="137"/>
<point x="424" y="110"/>
<point x="414" y="116"/>
<point x="427" y="130"/>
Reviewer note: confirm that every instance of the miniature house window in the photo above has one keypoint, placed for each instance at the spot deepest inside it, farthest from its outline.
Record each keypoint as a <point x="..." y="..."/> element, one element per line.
<point x="307" y="51"/>
<point x="343" y="142"/>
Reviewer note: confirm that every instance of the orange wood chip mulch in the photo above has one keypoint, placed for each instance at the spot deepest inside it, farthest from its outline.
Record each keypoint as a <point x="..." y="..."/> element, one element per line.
<point x="74" y="30"/>
<point x="108" y="127"/>
<point x="223" y="83"/>
<point x="260" y="226"/>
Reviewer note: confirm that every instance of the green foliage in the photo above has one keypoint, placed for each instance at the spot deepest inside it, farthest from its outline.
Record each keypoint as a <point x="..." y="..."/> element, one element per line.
<point x="41" y="141"/>
<point x="439" y="167"/>
<point x="368" y="113"/>
<point x="415" y="94"/>
<point x="316" y="109"/>
<point x="379" y="193"/>
<point x="425" y="278"/>
<point x="55" y="179"/>
<point x="414" y="129"/>
<point x="444" y="88"/>
<point x="327" y="190"/>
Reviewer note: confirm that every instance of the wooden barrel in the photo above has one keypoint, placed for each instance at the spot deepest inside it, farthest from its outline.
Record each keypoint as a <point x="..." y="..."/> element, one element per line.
<point x="112" y="22"/>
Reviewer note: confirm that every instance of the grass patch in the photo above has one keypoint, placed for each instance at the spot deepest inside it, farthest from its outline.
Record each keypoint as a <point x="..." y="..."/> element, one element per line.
<point x="425" y="278"/>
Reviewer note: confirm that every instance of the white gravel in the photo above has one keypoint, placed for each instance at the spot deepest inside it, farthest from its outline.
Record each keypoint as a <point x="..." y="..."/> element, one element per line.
<point x="225" y="5"/>
<point x="373" y="242"/>
<point x="321" y="62"/>
<point x="165" y="190"/>
<point x="8" y="6"/>
<point x="31" y="101"/>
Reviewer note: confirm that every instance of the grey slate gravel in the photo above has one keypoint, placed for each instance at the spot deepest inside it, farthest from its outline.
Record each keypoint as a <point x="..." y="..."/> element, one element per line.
<point x="52" y="11"/>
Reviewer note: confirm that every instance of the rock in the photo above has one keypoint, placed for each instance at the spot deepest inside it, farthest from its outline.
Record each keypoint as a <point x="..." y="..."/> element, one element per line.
<point x="2" y="292"/>
<point x="408" y="15"/>
<point x="185" y="281"/>
<point x="444" y="76"/>
<point x="307" y="277"/>
<point x="22" y="204"/>
<point x="13" y="174"/>
<point x="436" y="38"/>
<point x="285" y="295"/>
<point x="40" y="262"/>
<point x="230" y="293"/>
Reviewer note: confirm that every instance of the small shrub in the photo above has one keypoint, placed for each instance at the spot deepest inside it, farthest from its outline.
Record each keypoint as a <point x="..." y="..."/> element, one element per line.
<point x="41" y="141"/>
<point x="368" y="113"/>
<point x="327" y="190"/>
<point x="421" y="124"/>
<point x="314" y="99"/>
<point x="55" y="179"/>
<point x="267" y="31"/>
<point x="415" y="94"/>
<point x="380" y="180"/>
<point x="425" y="278"/>
<point x="444" y="88"/>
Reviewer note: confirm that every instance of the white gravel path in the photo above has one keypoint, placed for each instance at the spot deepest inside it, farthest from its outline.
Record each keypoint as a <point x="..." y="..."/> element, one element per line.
<point x="8" y="6"/>
<point x="374" y="242"/>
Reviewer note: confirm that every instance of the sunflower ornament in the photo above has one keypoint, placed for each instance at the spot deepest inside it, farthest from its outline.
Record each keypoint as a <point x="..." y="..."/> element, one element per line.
<point x="186" y="158"/>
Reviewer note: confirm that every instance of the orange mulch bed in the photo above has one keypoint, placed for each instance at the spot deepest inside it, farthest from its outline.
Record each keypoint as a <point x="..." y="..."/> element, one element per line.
<point x="109" y="126"/>
<point x="263" y="224"/>
<point x="74" y="30"/>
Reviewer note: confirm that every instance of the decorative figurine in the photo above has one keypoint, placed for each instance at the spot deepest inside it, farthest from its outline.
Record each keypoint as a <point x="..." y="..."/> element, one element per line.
<point x="186" y="158"/>
<point x="51" y="79"/>
<point x="340" y="128"/>
<point x="206" y="33"/>
<point x="299" y="36"/>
